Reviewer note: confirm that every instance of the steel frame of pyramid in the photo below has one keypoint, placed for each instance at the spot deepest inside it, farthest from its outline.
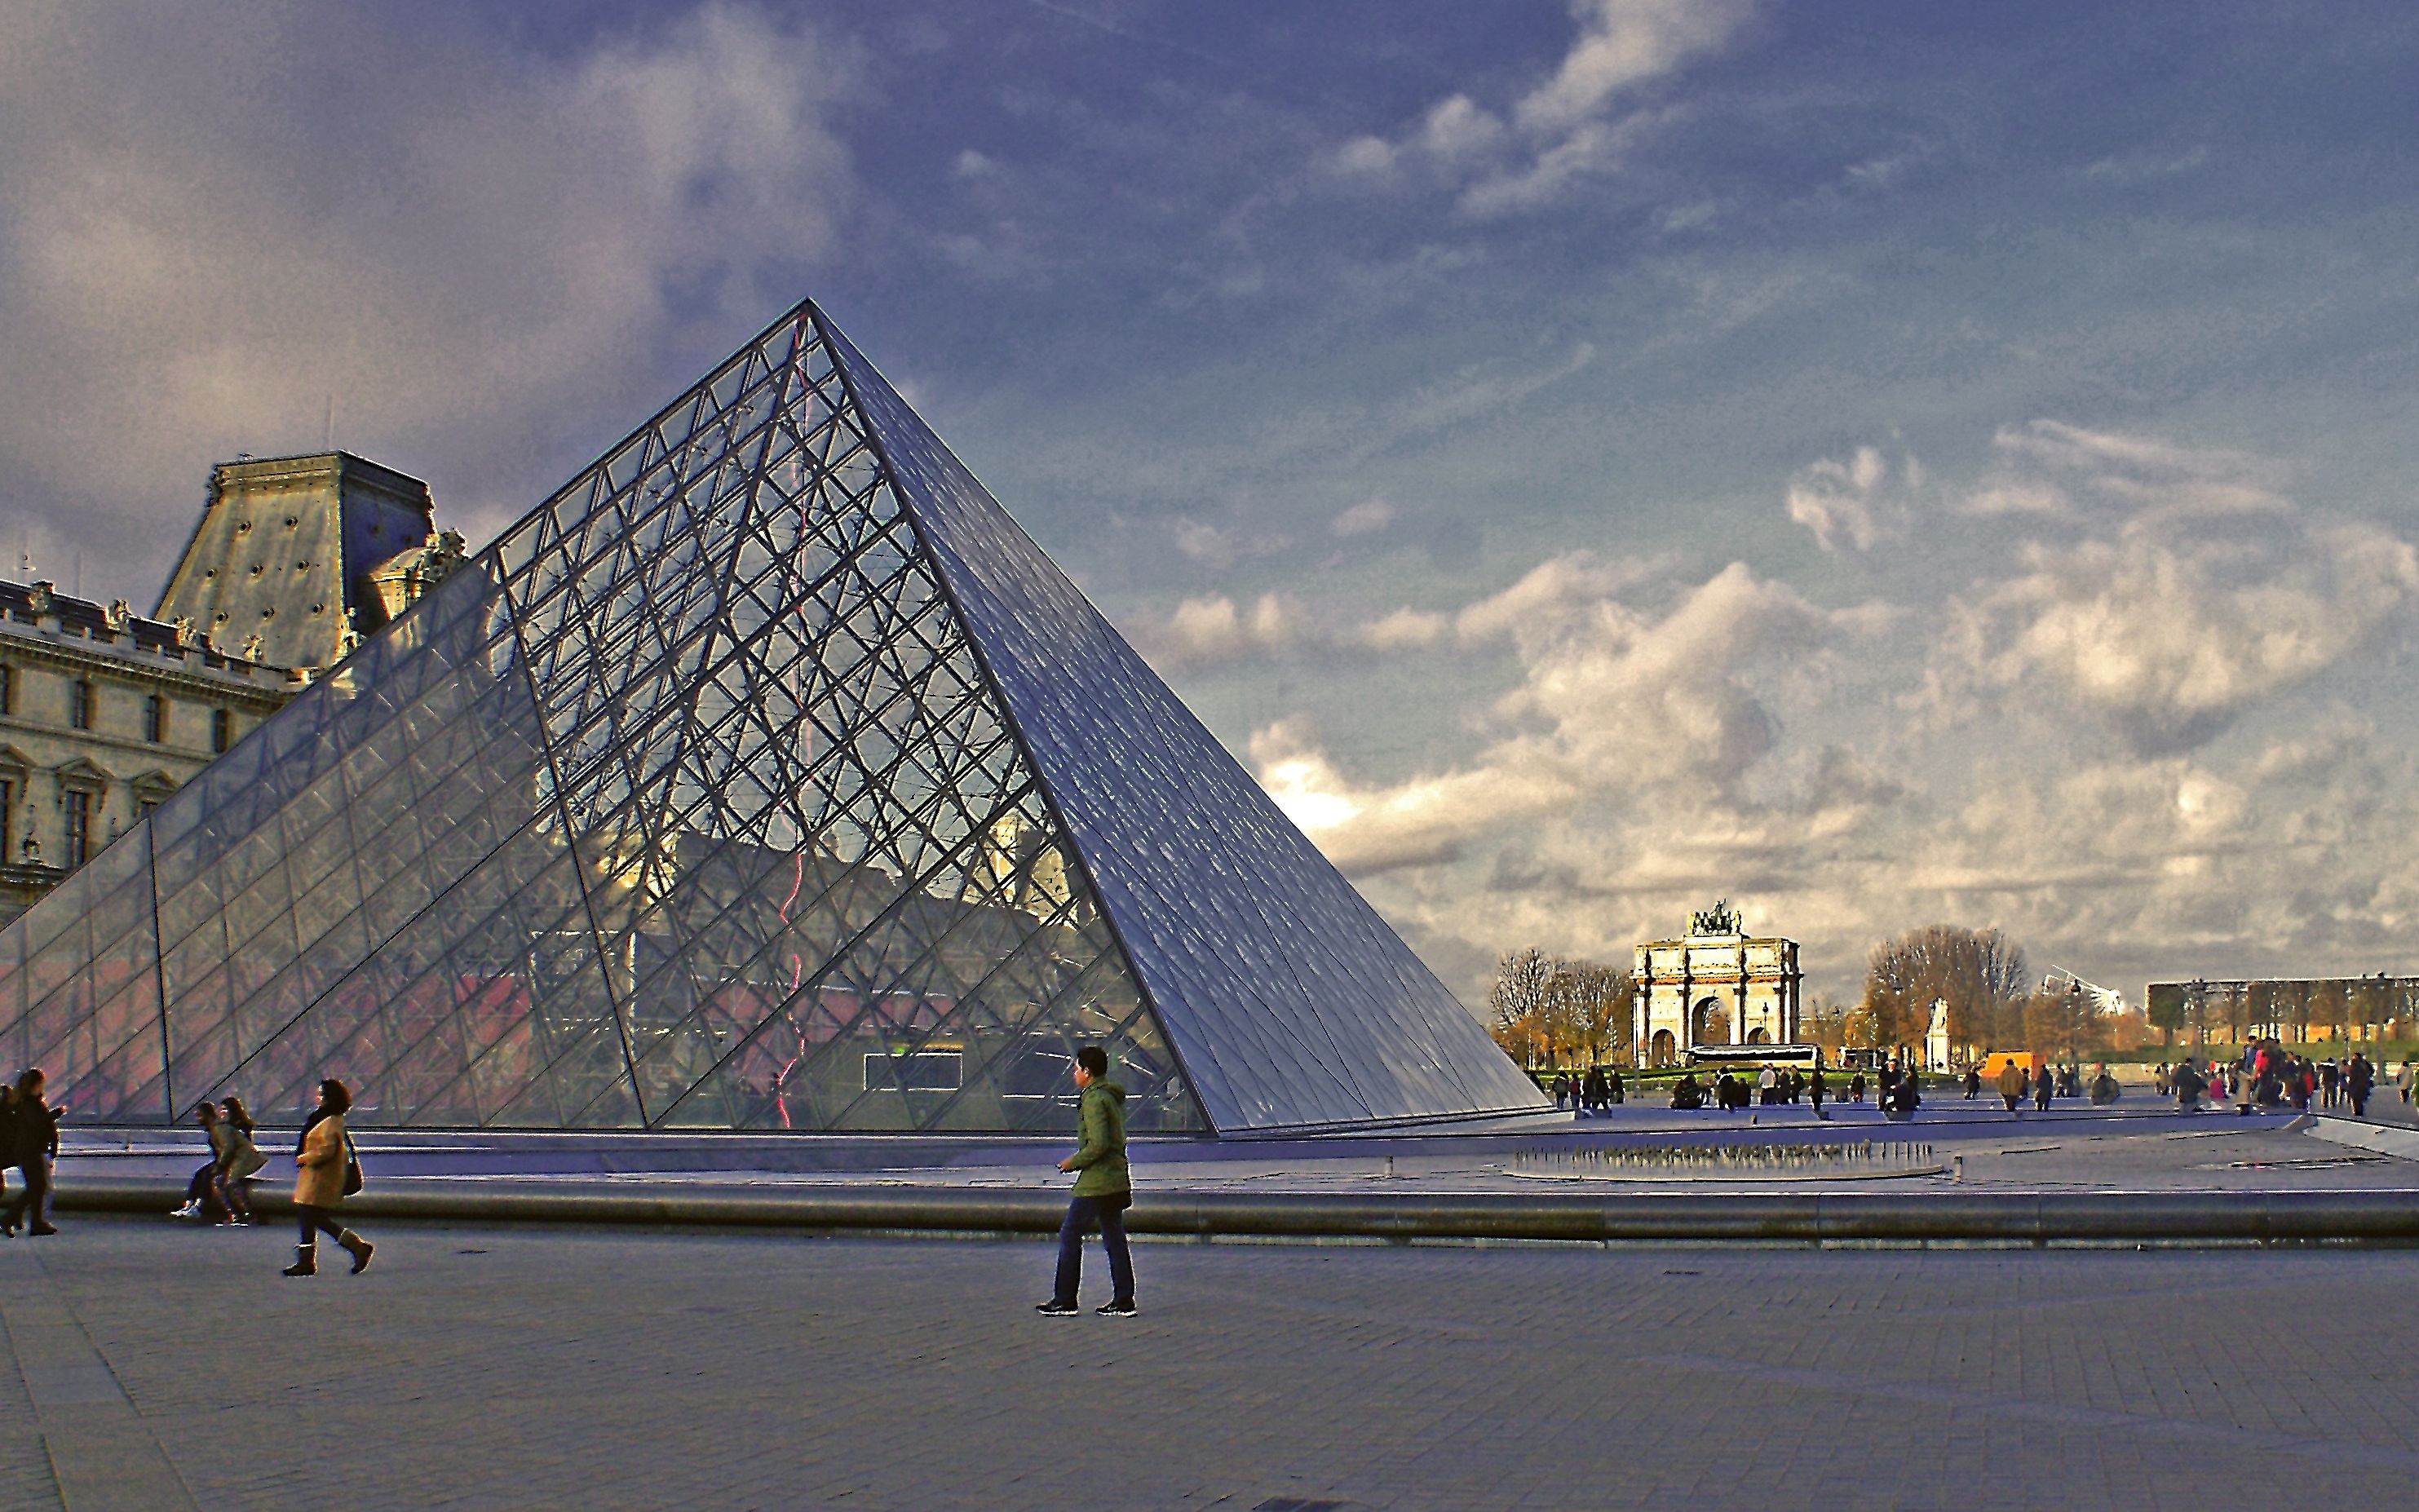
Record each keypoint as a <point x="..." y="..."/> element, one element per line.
<point x="767" y="776"/>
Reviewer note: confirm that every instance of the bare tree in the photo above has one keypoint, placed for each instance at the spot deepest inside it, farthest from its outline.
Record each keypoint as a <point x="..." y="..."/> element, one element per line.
<point x="1979" y="973"/>
<point x="1518" y="999"/>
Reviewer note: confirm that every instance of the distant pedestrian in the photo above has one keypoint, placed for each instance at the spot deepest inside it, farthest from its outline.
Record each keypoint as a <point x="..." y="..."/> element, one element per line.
<point x="2012" y="1084"/>
<point x="324" y="1164"/>
<point x="1856" y="1088"/>
<point x="1613" y="1090"/>
<point x="2359" y="1079"/>
<point x="33" y="1143"/>
<point x="2041" y="1090"/>
<point x="1817" y="1087"/>
<point x="1103" y="1193"/>
<point x="1973" y="1083"/>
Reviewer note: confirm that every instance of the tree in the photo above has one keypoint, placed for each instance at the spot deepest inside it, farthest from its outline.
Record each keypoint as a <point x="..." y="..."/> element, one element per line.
<point x="1593" y="1003"/>
<point x="1523" y="981"/>
<point x="2061" y="1023"/>
<point x="2165" y="1008"/>
<point x="1979" y="973"/>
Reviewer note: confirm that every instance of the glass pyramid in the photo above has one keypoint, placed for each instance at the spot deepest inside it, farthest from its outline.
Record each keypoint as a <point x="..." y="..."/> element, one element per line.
<point x="766" y="777"/>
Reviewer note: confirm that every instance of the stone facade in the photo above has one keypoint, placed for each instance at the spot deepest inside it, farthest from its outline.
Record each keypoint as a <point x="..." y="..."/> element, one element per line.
<point x="104" y="712"/>
<point x="285" y="566"/>
<point x="1715" y="985"/>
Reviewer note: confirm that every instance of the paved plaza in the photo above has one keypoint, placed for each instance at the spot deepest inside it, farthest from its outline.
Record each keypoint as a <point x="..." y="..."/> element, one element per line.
<point x="159" y="1366"/>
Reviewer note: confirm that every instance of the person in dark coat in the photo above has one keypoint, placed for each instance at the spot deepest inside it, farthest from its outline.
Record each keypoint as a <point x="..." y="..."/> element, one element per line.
<point x="2359" y="1079"/>
<point x="2041" y="1090"/>
<point x="1103" y="1191"/>
<point x="33" y="1134"/>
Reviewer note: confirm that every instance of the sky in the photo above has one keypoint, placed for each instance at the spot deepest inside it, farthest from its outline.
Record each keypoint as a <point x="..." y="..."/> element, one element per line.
<point x="1882" y="464"/>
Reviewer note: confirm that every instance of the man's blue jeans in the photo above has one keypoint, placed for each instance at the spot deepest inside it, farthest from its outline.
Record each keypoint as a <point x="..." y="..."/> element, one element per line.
<point x="1083" y="1214"/>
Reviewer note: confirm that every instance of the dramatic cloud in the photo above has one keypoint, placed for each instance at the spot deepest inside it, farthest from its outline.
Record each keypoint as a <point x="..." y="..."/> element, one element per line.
<point x="1613" y="700"/>
<point x="2170" y="638"/>
<point x="440" y="243"/>
<point x="1941" y="754"/>
<point x="2197" y="588"/>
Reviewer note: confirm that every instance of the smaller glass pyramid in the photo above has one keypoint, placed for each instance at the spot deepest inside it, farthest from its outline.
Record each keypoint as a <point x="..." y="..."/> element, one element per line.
<point x="766" y="777"/>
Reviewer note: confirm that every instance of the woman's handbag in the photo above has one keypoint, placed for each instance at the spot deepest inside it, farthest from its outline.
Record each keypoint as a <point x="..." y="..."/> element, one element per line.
<point x="352" y="1165"/>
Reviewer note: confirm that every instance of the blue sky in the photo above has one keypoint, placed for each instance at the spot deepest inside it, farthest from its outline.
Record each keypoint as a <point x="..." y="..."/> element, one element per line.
<point x="1884" y="463"/>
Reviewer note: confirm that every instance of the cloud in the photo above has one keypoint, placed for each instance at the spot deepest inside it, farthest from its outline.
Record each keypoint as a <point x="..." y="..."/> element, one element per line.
<point x="2167" y="589"/>
<point x="1857" y="503"/>
<point x="442" y="239"/>
<point x="1406" y="629"/>
<point x="1624" y="42"/>
<point x="2130" y="473"/>
<point x="1561" y="132"/>
<point x="1364" y="518"/>
<point x="1213" y="630"/>
<point x="2170" y="637"/>
<point x="1613" y="701"/>
<point x="2134" y="597"/>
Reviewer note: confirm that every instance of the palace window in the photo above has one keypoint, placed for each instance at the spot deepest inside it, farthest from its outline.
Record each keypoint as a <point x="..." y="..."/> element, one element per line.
<point x="7" y="689"/>
<point x="221" y="729"/>
<point x="80" y="703"/>
<point x="8" y="824"/>
<point x="154" y="719"/>
<point x="79" y="828"/>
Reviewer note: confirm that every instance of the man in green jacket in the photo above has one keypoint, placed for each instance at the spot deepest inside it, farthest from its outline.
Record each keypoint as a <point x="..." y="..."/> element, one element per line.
<point x="1103" y="1193"/>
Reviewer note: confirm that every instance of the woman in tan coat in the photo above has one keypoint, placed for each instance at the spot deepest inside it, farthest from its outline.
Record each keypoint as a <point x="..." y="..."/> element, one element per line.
<point x="319" y="1184"/>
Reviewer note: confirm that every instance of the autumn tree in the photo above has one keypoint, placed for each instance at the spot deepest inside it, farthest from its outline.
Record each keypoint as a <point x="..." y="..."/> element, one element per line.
<point x="1980" y="973"/>
<point x="1546" y="1008"/>
<point x="1591" y="1009"/>
<point x="2061" y="1023"/>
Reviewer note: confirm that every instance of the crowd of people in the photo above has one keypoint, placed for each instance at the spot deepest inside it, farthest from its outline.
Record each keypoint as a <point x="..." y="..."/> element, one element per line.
<point x="1588" y="1094"/>
<point x="2266" y="1075"/>
<point x="2018" y="1083"/>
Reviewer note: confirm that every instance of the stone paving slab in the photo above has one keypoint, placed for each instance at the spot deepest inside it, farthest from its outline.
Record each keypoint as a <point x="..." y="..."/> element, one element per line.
<point x="477" y="1369"/>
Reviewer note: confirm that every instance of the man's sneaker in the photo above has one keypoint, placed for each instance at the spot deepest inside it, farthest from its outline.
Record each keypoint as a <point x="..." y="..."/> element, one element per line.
<point x="1055" y="1309"/>
<point x="190" y="1209"/>
<point x="1116" y="1309"/>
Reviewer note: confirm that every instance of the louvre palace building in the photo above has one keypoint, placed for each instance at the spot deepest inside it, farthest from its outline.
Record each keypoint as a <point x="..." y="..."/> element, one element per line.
<point x="106" y="712"/>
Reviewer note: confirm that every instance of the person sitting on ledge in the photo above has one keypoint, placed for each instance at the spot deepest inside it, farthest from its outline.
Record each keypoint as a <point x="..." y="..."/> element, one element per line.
<point x="2103" y="1089"/>
<point x="1899" y="1106"/>
<point x="1686" y="1093"/>
<point x="201" y="1193"/>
